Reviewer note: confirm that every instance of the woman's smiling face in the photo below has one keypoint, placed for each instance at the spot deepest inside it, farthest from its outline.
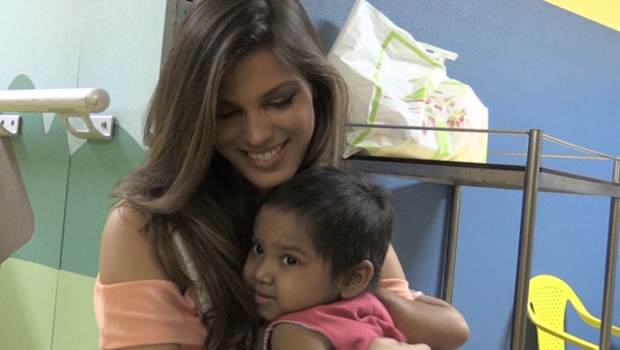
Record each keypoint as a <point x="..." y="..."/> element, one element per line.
<point x="265" y="119"/>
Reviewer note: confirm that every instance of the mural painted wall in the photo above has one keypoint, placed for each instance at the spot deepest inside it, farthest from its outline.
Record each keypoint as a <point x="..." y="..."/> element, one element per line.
<point x="46" y="286"/>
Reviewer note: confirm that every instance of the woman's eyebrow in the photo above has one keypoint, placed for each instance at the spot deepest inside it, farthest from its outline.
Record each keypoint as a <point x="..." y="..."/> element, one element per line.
<point x="277" y="88"/>
<point x="267" y="95"/>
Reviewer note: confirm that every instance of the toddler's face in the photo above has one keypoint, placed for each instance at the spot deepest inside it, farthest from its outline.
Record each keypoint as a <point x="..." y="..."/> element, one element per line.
<point x="283" y="269"/>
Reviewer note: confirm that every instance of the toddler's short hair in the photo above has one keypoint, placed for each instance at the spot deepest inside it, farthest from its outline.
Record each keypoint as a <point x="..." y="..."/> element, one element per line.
<point x="348" y="217"/>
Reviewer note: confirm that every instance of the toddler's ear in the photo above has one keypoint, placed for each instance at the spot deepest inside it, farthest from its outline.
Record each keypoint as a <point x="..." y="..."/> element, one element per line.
<point x="357" y="279"/>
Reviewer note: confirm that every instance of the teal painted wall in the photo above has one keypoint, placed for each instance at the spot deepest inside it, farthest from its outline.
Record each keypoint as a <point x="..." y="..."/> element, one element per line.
<point x="46" y="286"/>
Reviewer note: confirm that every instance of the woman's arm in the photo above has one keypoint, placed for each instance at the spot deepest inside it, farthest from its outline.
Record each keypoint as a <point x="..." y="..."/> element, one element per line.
<point x="391" y="344"/>
<point x="126" y="256"/>
<point x="293" y="336"/>
<point x="424" y="320"/>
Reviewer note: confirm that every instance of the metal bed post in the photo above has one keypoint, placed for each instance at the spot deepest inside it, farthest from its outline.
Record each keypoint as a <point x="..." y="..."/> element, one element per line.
<point x="453" y="228"/>
<point x="610" y="267"/>
<point x="526" y="240"/>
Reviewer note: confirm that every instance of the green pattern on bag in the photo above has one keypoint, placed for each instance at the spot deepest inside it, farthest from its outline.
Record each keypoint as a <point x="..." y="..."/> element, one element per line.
<point x="379" y="89"/>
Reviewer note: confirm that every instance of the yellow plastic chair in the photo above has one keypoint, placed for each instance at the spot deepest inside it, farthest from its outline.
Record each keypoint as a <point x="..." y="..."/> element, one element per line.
<point x="546" y="309"/>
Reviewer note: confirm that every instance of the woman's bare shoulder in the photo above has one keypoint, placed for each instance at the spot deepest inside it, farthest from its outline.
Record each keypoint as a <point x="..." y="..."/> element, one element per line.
<point x="125" y="251"/>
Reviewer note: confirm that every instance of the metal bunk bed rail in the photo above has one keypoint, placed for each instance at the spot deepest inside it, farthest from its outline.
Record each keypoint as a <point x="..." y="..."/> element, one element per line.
<point x="530" y="178"/>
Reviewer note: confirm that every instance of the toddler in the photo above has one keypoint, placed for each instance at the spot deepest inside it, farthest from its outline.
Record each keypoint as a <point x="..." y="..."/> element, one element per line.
<point x="318" y="246"/>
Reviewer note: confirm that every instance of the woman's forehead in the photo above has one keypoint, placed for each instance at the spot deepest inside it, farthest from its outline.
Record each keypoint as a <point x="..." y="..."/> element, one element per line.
<point x="255" y="74"/>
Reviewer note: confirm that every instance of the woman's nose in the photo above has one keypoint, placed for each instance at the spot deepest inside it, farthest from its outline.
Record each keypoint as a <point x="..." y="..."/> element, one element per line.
<point x="258" y="128"/>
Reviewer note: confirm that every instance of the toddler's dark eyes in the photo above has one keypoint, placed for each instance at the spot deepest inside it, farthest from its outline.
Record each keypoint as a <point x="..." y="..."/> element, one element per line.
<point x="289" y="260"/>
<point x="257" y="249"/>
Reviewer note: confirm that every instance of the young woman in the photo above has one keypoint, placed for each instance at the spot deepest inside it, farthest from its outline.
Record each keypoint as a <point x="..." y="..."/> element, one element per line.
<point x="246" y="99"/>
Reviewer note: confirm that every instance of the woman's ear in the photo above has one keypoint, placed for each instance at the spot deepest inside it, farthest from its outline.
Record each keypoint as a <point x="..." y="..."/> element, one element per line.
<point x="357" y="279"/>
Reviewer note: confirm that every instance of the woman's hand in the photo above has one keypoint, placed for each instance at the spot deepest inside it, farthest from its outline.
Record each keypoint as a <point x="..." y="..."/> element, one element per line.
<point x="391" y="344"/>
<point x="425" y="320"/>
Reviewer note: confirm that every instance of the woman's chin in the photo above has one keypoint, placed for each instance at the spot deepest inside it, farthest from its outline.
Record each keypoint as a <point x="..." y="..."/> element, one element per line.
<point x="265" y="183"/>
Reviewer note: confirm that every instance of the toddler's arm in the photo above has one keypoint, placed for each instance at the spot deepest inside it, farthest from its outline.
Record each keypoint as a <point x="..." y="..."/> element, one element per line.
<point x="286" y="336"/>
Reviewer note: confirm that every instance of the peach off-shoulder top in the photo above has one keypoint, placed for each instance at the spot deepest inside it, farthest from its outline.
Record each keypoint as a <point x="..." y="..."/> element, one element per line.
<point x="151" y="312"/>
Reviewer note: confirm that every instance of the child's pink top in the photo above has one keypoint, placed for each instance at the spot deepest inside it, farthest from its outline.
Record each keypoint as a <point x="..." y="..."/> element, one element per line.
<point x="349" y="324"/>
<point x="154" y="312"/>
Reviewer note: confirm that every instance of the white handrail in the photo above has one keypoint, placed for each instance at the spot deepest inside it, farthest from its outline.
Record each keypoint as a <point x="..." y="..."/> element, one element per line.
<point x="69" y="103"/>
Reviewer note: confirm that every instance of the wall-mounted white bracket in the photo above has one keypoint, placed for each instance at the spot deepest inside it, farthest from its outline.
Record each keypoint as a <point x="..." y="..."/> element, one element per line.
<point x="9" y="125"/>
<point x="71" y="104"/>
<point x="96" y="127"/>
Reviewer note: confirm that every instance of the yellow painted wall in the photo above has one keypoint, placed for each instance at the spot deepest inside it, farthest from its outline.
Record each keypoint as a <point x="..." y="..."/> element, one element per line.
<point x="605" y="12"/>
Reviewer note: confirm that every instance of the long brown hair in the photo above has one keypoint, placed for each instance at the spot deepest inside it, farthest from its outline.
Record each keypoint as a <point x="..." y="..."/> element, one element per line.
<point x="185" y="185"/>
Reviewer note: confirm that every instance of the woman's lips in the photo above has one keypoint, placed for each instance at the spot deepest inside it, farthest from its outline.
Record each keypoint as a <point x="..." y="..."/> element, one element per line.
<point x="267" y="159"/>
<point x="266" y="156"/>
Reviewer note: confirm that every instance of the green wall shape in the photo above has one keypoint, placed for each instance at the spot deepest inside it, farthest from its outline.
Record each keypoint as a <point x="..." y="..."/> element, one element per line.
<point x="69" y="195"/>
<point x="75" y="325"/>
<point x="27" y="305"/>
<point x="94" y="168"/>
<point x="43" y="160"/>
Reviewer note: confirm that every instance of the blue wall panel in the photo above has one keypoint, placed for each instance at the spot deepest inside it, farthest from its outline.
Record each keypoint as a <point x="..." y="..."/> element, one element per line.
<point x="533" y="65"/>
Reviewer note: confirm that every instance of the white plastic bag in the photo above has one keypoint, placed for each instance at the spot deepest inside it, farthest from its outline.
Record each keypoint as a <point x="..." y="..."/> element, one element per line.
<point x="395" y="80"/>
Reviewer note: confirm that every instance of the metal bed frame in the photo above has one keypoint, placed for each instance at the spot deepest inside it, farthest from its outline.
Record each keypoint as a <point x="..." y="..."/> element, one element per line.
<point x="530" y="178"/>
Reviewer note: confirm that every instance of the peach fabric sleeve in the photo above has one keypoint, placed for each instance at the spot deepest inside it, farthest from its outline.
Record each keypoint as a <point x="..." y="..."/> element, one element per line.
<point x="146" y="312"/>
<point x="398" y="286"/>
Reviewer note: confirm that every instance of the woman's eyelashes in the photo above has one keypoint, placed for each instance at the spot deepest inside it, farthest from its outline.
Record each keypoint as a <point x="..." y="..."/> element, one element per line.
<point x="278" y="104"/>
<point x="226" y="115"/>
<point x="226" y="110"/>
<point x="283" y="103"/>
